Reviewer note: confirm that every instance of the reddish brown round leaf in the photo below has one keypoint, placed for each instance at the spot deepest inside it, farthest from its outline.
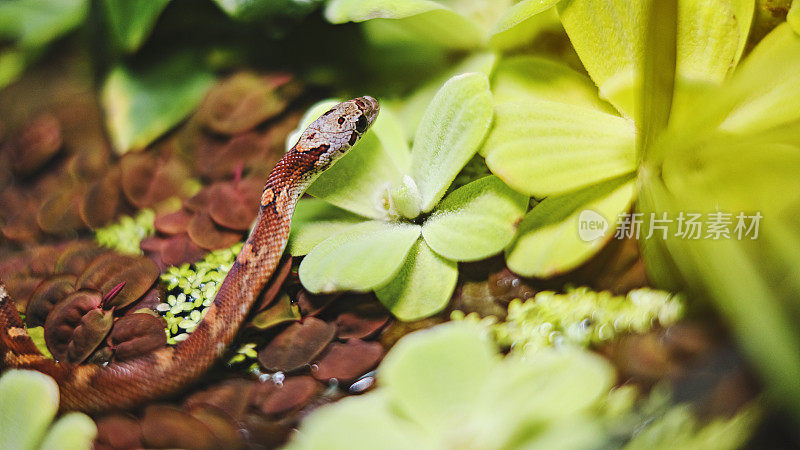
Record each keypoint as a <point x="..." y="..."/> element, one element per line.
<point x="119" y="431"/>
<point x="313" y="304"/>
<point x="101" y="201"/>
<point x="148" y="180"/>
<point x="89" y="334"/>
<point x="350" y="325"/>
<point x="168" y="427"/>
<point x="348" y="361"/>
<point x="206" y="234"/>
<point x="297" y="345"/>
<point x="109" y="270"/>
<point x="137" y="334"/>
<point x="46" y="296"/>
<point x="243" y="101"/>
<point x="173" y="223"/>
<point x="77" y="257"/>
<point x="59" y="214"/>
<point x="293" y="393"/>
<point x="21" y="288"/>
<point x="231" y="397"/>
<point x="198" y="202"/>
<point x="65" y="317"/>
<point x="216" y="160"/>
<point x="235" y="205"/>
<point x="37" y="144"/>
<point x="224" y="429"/>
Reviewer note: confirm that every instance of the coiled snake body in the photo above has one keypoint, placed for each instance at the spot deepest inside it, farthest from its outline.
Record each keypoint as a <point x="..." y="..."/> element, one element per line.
<point x="92" y="388"/>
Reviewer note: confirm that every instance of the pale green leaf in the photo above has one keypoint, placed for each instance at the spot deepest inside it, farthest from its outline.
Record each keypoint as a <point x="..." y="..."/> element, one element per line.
<point x="475" y="221"/>
<point x="414" y="107"/>
<point x="390" y="133"/>
<point x="614" y="61"/>
<point x="358" y="182"/>
<point x="711" y="37"/>
<point x="793" y="17"/>
<point x="520" y="78"/>
<point x="541" y="148"/>
<point x="433" y="376"/>
<point x="266" y="10"/>
<point x="546" y="387"/>
<point x="426" y="19"/>
<point x="362" y="257"/>
<point x="368" y="417"/>
<point x="73" y="431"/>
<point x="657" y="72"/>
<point x="141" y="105"/>
<point x="314" y="221"/>
<point x="550" y="241"/>
<point x="765" y="91"/>
<point x="131" y="21"/>
<point x="522" y="22"/>
<point x="423" y="286"/>
<point x="452" y="129"/>
<point x="28" y="403"/>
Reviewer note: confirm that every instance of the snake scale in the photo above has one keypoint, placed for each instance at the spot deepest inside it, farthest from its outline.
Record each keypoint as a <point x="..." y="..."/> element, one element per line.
<point x="123" y="385"/>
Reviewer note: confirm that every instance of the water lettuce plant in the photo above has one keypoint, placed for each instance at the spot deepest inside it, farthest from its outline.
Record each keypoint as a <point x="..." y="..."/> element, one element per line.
<point x="28" y="405"/>
<point x="384" y="220"/>
<point x="496" y="24"/>
<point x="448" y="387"/>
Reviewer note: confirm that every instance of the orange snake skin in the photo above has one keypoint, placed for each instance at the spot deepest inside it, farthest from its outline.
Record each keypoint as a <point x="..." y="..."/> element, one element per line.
<point x="92" y="388"/>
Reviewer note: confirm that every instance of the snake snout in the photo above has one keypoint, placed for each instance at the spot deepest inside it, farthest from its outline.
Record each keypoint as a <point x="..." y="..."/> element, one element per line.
<point x="371" y="108"/>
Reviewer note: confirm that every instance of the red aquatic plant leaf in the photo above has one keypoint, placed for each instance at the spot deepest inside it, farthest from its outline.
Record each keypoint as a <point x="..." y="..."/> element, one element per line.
<point x="89" y="334"/>
<point x="167" y="427"/>
<point x="231" y="397"/>
<point x="21" y="287"/>
<point x="198" y="202"/>
<point x="47" y="294"/>
<point x="234" y="205"/>
<point x="148" y="180"/>
<point x="216" y="160"/>
<point x="208" y="235"/>
<point x="291" y="394"/>
<point x="173" y="223"/>
<point x="112" y="269"/>
<point x="77" y="256"/>
<point x="313" y="304"/>
<point x="118" y="431"/>
<point x="59" y="214"/>
<point x="353" y="325"/>
<point x="275" y="284"/>
<point x="225" y="430"/>
<point x="297" y="345"/>
<point x="100" y="203"/>
<point x="171" y="251"/>
<point x="65" y="317"/>
<point x="137" y="334"/>
<point x="245" y="100"/>
<point x="348" y="361"/>
<point x="37" y="144"/>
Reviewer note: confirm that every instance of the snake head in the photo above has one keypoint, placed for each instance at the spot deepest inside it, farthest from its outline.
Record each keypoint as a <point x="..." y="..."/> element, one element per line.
<point x="332" y="134"/>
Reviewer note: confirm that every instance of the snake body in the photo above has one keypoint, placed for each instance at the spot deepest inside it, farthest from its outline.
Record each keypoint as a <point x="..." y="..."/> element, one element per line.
<point x="92" y="388"/>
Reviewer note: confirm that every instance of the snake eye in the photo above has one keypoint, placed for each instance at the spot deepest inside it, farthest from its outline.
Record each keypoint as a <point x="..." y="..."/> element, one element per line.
<point x="361" y="124"/>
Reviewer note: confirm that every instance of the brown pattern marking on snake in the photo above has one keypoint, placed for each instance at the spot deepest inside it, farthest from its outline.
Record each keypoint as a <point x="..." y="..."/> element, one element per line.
<point x="123" y="385"/>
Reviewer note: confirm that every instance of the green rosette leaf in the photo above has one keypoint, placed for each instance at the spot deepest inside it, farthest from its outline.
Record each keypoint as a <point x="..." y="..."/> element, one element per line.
<point x="450" y="133"/>
<point x="28" y="403"/>
<point x="542" y="147"/>
<point x="363" y="257"/>
<point x="432" y="377"/>
<point x="72" y="431"/>
<point x="475" y="221"/>
<point x="614" y="61"/>
<point x="141" y="105"/>
<point x="314" y="221"/>
<point x="423" y="286"/>
<point x="549" y="241"/>
<point x="425" y="19"/>
<point x="522" y="22"/>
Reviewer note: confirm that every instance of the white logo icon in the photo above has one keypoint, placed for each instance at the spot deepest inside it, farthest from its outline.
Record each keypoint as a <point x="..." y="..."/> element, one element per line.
<point x="591" y="225"/>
